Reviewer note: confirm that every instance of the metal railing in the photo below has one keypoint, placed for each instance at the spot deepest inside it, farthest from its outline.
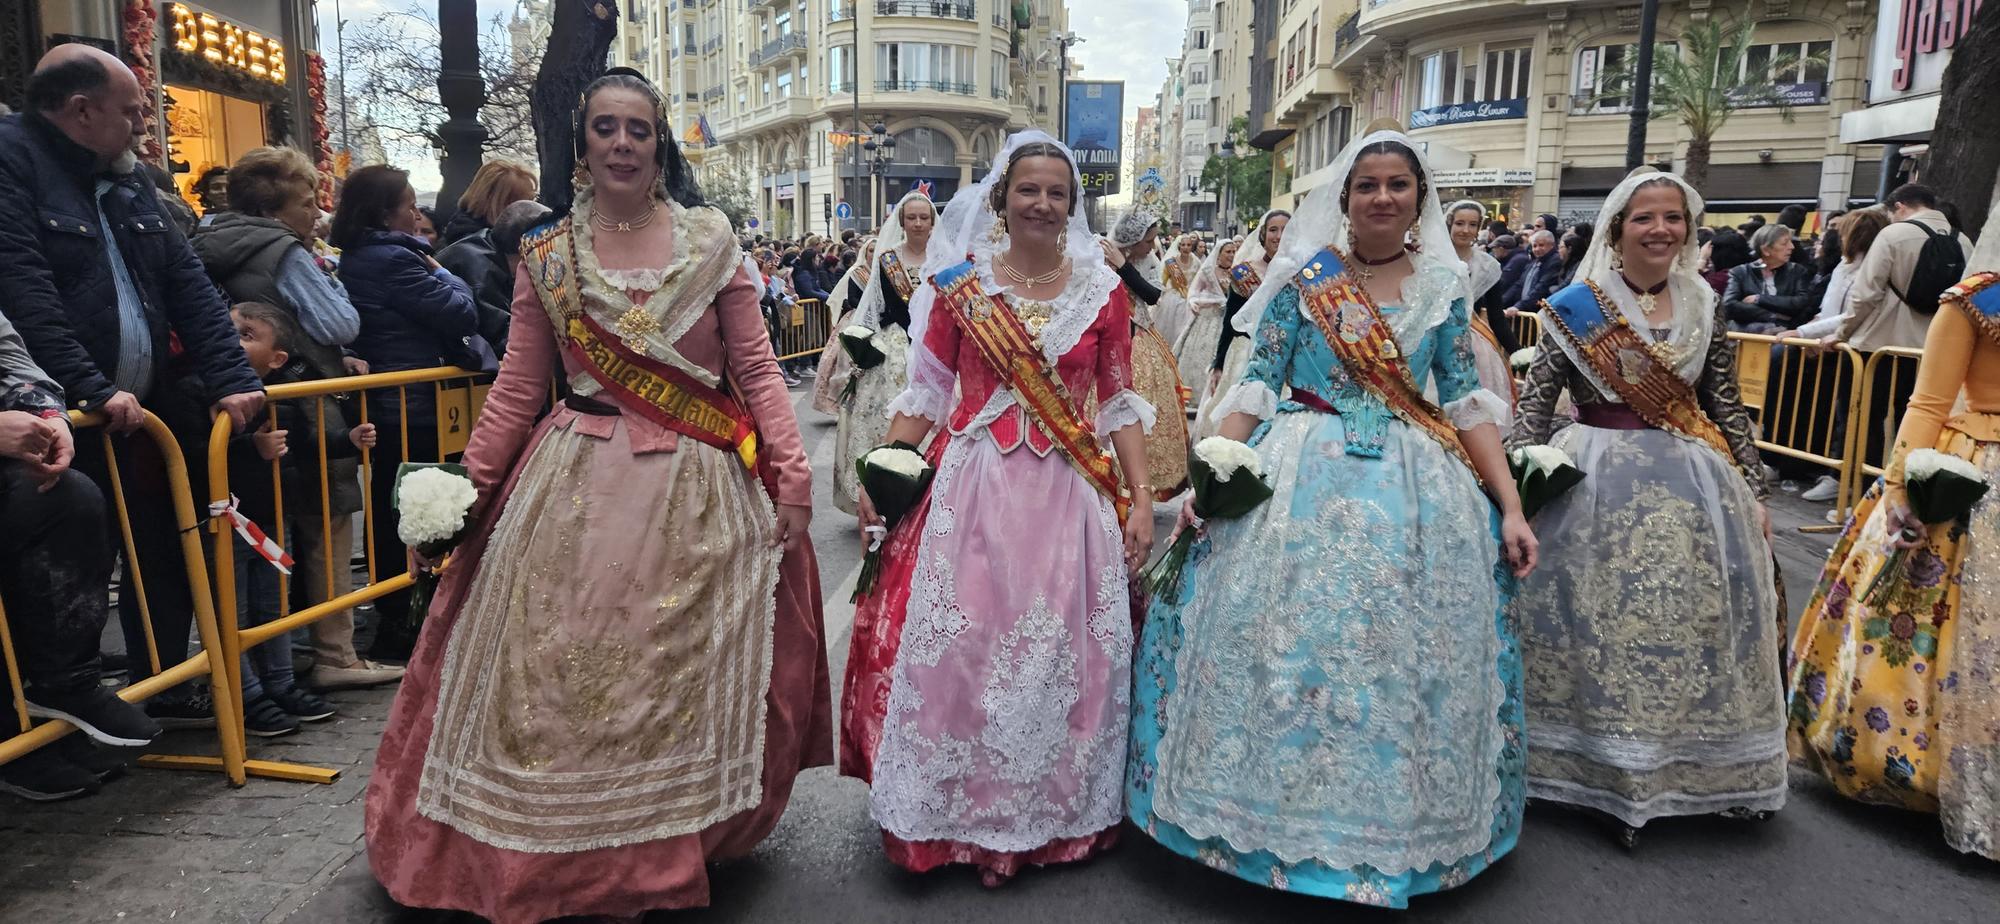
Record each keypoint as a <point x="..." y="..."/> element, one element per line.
<point x="801" y="330"/>
<point x="1803" y="399"/>
<point x="934" y="8"/>
<point x="940" y="86"/>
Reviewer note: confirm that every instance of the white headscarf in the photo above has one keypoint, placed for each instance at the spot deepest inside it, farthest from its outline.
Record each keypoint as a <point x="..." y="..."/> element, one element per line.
<point x="1319" y="223"/>
<point x="1482" y="271"/>
<point x="1252" y="248"/>
<point x="1208" y="287"/>
<point x="890" y="238"/>
<point x="1132" y="226"/>
<point x="836" y="301"/>
<point x="1694" y="300"/>
<point x="968" y="228"/>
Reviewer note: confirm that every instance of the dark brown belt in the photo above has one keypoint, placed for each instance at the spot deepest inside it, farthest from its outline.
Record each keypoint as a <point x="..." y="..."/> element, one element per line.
<point x="591" y="406"/>
<point x="1608" y="416"/>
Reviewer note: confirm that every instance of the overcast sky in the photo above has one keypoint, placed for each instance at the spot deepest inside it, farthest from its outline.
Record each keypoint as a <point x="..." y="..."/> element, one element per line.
<point x="1127" y="40"/>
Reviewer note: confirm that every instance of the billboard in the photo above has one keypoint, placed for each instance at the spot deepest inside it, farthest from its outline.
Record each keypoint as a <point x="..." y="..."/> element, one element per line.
<point x="1094" y="128"/>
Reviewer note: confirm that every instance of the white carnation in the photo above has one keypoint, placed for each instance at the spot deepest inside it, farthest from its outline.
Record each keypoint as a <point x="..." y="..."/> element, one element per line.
<point x="1225" y="456"/>
<point x="857" y="332"/>
<point x="900" y="461"/>
<point x="1524" y="357"/>
<point x="1923" y="463"/>
<point x="1541" y="458"/>
<point x="432" y="504"/>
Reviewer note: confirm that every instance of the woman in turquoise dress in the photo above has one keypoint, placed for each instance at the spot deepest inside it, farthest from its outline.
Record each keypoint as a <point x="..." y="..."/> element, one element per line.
<point x="1352" y="724"/>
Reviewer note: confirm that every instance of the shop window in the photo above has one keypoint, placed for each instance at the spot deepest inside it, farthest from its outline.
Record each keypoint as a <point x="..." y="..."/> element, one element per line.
<point x="207" y="129"/>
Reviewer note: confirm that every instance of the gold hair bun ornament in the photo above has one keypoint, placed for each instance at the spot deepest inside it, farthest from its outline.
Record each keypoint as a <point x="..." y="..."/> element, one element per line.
<point x="1382" y="125"/>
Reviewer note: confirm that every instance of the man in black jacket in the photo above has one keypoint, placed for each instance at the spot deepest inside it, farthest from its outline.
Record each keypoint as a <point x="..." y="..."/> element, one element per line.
<point x="1544" y="271"/>
<point x="115" y="306"/>
<point x="1514" y="262"/>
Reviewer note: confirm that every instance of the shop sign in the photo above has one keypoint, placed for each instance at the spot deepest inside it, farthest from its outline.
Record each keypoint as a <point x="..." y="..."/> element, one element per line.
<point x="1788" y="94"/>
<point x="786" y="191"/>
<point x="1458" y="113"/>
<point x="1485" y="176"/>
<point x="224" y="44"/>
<point x="1913" y="42"/>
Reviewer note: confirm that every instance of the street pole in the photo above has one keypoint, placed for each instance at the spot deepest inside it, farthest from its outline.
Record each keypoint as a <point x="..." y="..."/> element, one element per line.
<point x="463" y="92"/>
<point x="854" y="144"/>
<point x="340" y="52"/>
<point x="1642" y="86"/>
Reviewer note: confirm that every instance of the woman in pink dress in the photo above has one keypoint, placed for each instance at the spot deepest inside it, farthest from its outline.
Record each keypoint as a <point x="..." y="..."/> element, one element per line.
<point x="1009" y="686"/>
<point x="623" y="671"/>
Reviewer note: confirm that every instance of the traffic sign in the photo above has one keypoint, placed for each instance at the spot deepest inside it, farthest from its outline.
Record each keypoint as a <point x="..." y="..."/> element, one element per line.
<point x="843" y="211"/>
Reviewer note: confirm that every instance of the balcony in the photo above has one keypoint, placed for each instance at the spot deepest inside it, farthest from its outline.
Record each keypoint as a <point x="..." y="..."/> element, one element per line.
<point x="687" y="48"/>
<point x="937" y="9"/>
<point x="934" y="86"/>
<point x="711" y="45"/>
<point x="1302" y="94"/>
<point x="778" y="112"/>
<point x="711" y="94"/>
<point x="787" y="44"/>
<point x="843" y="14"/>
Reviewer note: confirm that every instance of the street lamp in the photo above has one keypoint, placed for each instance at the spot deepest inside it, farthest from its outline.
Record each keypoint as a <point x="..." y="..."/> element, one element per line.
<point x="881" y="148"/>
<point x="1063" y="42"/>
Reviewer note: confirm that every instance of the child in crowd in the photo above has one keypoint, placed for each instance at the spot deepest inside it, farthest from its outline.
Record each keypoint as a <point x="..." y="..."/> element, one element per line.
<point x="273" y="703"/>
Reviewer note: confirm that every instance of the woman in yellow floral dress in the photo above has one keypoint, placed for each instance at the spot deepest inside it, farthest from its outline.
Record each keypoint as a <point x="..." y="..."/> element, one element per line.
<point x="1896" y="696"/>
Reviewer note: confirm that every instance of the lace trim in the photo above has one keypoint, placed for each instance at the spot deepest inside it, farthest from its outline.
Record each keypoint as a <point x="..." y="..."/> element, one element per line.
<point x="1122" y="410"/>
<point x="1249" y="397"/>
<point x="1644" y="755"/>
<point x="1074" y="309"/>
<point x="637" y="279"/>
<point x="1479" y="407"/>
<point x="921" y="400"/>
<point x="1428" y="295"/>
<point x="1664" y="805"/>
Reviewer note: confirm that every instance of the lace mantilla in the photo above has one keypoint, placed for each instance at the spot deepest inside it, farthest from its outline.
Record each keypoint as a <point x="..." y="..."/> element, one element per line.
<point x="1071" y="312"/>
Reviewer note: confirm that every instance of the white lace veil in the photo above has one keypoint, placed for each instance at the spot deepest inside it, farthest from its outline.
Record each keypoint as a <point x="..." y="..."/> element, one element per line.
<point x="968" y="229"/>
<point x="1694" y="299"/>
<point x="1319" y="223"/>
<point x="1208" y="287"/>
<point x="890" y="238"/>
<point x="1482" y="271"/>
<point x="836" y="300"/>
<point x="1132" y="226"/>
<point x="1252" y="248"/>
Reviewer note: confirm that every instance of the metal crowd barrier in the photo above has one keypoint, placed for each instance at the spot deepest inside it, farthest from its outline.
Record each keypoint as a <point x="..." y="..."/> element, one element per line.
<point x="213" y="660"/>
<point x="801" y="330"/>
<point x="460" y="394"/>
<point x="1527" y="328"/>
<point x="1888" y="378"/>
<point x="1806" y="401"/>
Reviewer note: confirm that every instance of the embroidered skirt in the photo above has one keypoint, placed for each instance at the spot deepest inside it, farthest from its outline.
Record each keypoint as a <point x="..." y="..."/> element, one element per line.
<point x="864" y="423"/>
<point x="1648" y="635"/>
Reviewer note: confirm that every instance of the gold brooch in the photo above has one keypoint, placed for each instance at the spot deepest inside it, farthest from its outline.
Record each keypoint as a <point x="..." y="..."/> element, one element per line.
<point x="637" y="324"/>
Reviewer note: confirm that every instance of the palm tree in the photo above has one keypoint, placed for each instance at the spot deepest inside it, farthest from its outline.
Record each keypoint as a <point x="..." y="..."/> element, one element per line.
<point x="1703" y="82"/>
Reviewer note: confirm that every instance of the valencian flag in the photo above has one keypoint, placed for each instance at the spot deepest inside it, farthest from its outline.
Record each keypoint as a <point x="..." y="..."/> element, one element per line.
<point x="699" y="133"/>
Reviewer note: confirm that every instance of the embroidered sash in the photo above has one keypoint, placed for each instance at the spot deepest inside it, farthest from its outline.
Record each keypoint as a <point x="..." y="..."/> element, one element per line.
<point x="1177" y="278"/>
<point x="1361" y="338"/>
<point x="1006" y="345"/>
<point x="638" y="383"/>
<point x="1979" y="297"/>
<point x="892" y="270"/>
<point x="1624" y="360"/>
<point x="1244" y="279"/>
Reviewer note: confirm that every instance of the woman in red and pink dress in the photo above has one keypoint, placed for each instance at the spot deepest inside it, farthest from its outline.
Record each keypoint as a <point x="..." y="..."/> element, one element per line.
<point x="991" y="673"/>
<point x="624" y="669"/>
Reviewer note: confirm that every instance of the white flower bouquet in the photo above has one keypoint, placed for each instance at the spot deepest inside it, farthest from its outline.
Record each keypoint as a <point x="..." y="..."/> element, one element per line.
<point x="1228" y="481"/>
<point x="895" y="478"/>
<point x="859" y="342"/>
<point x="432" y="502"/>
<point x="1541" y="474"/>
<point x="1523" y="358"/>
<point x="1942" y="488"/>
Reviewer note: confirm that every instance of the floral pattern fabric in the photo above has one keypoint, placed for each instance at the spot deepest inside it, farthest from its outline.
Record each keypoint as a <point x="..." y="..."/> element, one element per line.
<point x="1355" y="728"/>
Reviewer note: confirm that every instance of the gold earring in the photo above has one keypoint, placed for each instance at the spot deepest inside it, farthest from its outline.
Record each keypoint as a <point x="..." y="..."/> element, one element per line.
<point x="1062" y="239"/>
<point x="1617" y="259"/>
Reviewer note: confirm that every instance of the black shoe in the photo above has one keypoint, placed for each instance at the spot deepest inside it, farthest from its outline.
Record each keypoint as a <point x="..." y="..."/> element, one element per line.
<point x="266" y="719"/>
<point x="303" y="705"/>
<point x="96" y="712"/>
<point x="191" y="710"/>
<point x="44" y="776"/>
<point x="106" y="764"/>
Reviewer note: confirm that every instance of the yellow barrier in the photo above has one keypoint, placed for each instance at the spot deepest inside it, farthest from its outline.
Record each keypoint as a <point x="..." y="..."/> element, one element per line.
<point x="459" y="399"/>
<point x="1889" y="376"/>
<point x="1527" y="328"/>
<point x="212" y="660"/>
<point x="1806" y="401"/>
<point x="801" y="330"/>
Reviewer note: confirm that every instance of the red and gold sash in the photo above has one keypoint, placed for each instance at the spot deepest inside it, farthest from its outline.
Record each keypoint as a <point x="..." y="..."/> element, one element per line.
<point x="636" y="382"/>
<point x="1007" y="346"/>
<point x="892" y="270"/>
<point x="1177" y="278"/>
<point x="1361" y="338"/>
<point x="1625" y="361"/>
<point x="1244" y="280"/>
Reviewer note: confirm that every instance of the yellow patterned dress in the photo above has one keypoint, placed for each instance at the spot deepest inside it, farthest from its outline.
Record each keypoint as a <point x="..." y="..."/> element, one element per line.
<point x="1896" y="696"/>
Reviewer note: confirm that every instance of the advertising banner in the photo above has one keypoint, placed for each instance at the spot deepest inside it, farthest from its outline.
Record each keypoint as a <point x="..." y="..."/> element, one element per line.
<point x="1094" y="128"/>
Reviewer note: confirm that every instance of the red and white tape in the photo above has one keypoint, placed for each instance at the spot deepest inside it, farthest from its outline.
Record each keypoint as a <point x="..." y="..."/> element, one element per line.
<point x="264" y="545"/>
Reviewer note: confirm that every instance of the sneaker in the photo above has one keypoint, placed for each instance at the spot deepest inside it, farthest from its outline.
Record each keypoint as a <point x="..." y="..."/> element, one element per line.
<point x="97" y="712"/>
<point x="303" y="705"/>
<point x="266" y="719"/>
<point x="193" y="710"/>
<point x="359" y="674"/>
<point x="106" y="764"/>
<point x="1823" y="490"/>
<point x="44" y="776"/>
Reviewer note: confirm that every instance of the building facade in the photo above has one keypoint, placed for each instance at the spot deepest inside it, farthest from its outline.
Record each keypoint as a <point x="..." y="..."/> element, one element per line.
<point x="783" y="94"/>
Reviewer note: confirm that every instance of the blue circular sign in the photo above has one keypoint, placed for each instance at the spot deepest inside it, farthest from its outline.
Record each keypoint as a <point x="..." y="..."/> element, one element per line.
<point x="843" y="211"/>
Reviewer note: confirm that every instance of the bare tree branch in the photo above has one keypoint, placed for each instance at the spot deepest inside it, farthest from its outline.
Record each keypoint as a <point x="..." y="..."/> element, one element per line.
<point x="393" y="59"/>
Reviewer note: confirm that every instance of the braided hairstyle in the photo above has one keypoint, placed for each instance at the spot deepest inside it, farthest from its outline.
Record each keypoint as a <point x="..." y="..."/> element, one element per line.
<point x="676" y="180"/>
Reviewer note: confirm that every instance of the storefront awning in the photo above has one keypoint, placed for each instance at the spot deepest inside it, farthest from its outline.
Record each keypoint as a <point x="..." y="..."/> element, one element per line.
<point x="1902" y="120"/>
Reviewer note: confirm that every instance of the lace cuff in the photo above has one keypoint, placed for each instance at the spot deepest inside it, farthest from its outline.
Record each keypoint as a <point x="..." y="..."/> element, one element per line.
<point x="1478" y="407"/>
<point x="1248" y="397"/>
<point x="1122" y="410"/>
<point x="919" y="400"/>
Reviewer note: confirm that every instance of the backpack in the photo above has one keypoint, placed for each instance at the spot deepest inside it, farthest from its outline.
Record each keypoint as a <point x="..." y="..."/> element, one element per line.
<point x="1940" y="265"/>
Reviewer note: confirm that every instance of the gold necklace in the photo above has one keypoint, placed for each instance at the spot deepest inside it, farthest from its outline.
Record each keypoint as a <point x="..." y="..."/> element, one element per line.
<point x="1031" y="282"/>
<point x="605" y="224"/>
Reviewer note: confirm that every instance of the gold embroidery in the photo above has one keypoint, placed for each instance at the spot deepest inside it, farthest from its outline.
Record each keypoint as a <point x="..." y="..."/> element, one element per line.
<point x="636" y="325"/>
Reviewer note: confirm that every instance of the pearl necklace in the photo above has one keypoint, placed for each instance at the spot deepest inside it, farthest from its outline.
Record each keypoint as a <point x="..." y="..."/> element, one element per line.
<point x="1031" y="282"/>
<point x="606" y="224"/>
